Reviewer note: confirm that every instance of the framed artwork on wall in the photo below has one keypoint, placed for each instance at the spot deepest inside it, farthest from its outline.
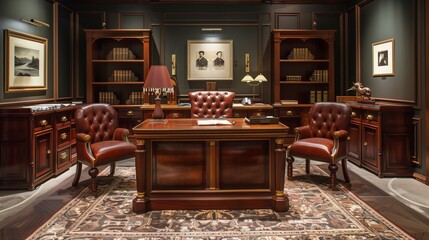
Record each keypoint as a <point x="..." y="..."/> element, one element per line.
<point x="26" y="62"/>
<point x="383" y="58"/>
<point x="210" y="60"/>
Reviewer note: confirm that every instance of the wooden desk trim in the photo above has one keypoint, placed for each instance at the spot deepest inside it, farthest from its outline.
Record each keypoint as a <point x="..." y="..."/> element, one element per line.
<point x="188" y="130"/>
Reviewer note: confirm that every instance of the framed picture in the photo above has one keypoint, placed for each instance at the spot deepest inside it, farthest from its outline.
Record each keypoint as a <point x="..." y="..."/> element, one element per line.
<point x="25" y="60"/>
<point x="383" y="58"/>
<point x="210" y="60"/>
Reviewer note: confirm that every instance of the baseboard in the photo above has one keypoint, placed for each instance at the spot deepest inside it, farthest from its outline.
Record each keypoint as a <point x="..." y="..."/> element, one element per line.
<point x="420" y="177"/>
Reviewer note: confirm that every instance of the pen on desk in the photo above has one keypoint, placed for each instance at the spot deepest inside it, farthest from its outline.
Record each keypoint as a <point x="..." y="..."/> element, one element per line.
<point x="233" y="122"/>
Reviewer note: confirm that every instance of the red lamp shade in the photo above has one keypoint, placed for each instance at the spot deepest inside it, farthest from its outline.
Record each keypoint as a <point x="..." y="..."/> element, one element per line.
<point x="158" y="80"/>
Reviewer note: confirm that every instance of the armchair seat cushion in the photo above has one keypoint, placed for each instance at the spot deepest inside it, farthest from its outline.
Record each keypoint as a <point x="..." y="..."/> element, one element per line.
<point x="107" y="152"/>
<point x="312" y="148"/>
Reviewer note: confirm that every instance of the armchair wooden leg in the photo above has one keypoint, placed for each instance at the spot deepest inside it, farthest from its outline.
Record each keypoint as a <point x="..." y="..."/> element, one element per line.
<point x="112" y="169"/>
<point x="93" y="172"/>
<point x="345" y="170"/>
<point x="333" y="168"/>
<point x="307" y="166"/>
<point x="289" y="161"/>
<point x="77" y="174"/>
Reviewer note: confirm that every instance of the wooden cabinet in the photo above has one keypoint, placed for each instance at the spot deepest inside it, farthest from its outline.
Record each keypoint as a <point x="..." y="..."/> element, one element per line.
<point x="117" y="61"/>
<point x="35" y="145"/>
<point x="175" y="111"/>
<point x="381" y="138"/>
<point x="303" y="72"/>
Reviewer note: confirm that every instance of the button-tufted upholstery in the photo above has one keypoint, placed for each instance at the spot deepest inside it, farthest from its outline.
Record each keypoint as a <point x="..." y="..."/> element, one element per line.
<point x="323" y="139"/>
<point x="211" y="104"/>
<point x="99" y="141"/>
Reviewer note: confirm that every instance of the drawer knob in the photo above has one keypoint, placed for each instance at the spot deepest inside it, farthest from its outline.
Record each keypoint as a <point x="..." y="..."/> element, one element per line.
<point x="289" y="113"/>
<point x="365" y="143"/>
<point x="63" y="156"/>
<point x="43" y="122"/>
<point x="175" y="115"/>
<point x="63" y="136"/>
<point x="130" y="113"/>
<point x="48" y="152"/>
<point x="258" y="114"/>
<point x="64" y="119"/>
<point x="348" y="138"/>
<point x="353" y="114"/>
<point x="370" y="117"/>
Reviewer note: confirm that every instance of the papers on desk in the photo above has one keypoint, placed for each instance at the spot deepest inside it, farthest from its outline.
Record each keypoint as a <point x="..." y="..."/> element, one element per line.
<point x="213" y="122"/>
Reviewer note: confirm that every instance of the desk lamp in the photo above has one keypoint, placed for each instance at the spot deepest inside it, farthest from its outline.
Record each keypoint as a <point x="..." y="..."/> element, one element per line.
<point x="254" y="82"/>
<point x="158" y="81"/>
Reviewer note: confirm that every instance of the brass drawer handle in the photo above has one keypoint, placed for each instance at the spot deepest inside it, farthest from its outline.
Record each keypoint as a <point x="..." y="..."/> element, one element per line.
<point x="63" y="136"/>
<point x="365" y="143"/>
<point x="64" y="119"/>
<point x="289" y="113"/>
<point x="353" y="114"/>
<point x="258" y="114"/>
<point x="348" y="138"/>
<point x="130" y="113"/>
<point x="370" y="117"/>
<point x="48" y="152"/>
<point x="175" y="115"/>
<point x="43" y="122"/>
<point x="63" y="156"/>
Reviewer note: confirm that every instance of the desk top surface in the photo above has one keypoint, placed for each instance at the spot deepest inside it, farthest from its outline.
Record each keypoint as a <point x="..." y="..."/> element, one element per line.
<point x="178" y="107"/>
<point x="189" y="126"/>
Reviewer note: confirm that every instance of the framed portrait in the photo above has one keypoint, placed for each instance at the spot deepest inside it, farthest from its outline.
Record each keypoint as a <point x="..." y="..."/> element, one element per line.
<point x="26" y="62"/>
<point x="383" y="58"/>
<point x="210" y="60"/>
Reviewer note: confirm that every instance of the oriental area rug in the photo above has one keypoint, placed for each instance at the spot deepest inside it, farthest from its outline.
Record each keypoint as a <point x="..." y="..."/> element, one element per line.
<point x="315" y="213"/>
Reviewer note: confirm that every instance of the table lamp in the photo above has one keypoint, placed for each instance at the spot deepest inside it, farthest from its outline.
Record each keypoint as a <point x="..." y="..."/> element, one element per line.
<point x="158" y="81"/>
<point x="254" y="81"/>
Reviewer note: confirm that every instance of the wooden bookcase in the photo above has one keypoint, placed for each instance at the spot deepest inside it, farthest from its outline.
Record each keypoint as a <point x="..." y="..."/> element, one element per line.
<point x="118" y="61"/>
<point x="303" y="73"/>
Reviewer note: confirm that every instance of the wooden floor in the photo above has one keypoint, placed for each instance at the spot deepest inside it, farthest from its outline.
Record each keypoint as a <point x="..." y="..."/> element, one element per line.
<point x="33" y="216"/>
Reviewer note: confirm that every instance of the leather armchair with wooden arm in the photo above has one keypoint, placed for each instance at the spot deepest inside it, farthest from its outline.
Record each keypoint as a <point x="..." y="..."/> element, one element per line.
<point x="211" y="104"/>
<point x="99" y="141"/>
<point x="323" y="139"/>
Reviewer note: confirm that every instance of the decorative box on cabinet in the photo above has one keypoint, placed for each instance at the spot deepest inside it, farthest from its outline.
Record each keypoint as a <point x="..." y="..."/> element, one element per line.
<point x="118" y="61"/>
<point x="175" y="111"/>
<point x="381" y="138"/>
<point x="303" y="72"/>
<point x="35" y="145"/>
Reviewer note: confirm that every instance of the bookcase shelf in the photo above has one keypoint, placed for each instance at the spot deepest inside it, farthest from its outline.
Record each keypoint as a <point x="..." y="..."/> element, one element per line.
<point x="303" y="71"/>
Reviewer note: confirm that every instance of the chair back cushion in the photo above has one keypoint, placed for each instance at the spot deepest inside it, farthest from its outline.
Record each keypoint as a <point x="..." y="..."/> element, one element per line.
<point x="211" y="104"/>
<point x="98" y="120"/>
<point x="328" y="117"/>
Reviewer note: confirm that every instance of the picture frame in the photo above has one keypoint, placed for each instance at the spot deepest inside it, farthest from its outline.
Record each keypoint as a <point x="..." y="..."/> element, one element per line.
<point x="210" y="60"/>
<point x="26" y="62"/>
<point x="383" y="58"/>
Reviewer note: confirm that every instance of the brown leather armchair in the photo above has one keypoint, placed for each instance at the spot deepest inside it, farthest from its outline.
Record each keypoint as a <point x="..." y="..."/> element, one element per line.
<point x="99" y="141"/>
<point x="211" y="104"/>
<point x="323" y="139"/>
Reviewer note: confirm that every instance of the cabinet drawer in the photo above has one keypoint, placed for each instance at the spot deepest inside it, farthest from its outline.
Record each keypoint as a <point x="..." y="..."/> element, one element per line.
<point x="42" y="122"/>
<point x="62" y="118"/>
<point x="129" y="113"/>
<point x="370" y="117"/>
<point x="63" y="136"/>
<point x="290" y="112"/>
<point x="63" y="158"/>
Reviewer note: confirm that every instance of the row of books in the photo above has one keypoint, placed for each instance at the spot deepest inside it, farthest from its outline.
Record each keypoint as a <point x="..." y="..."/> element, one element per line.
<point x="293" y="78"/>
<point x="108" y="97"/>
<point x="318" y="96"/>
<point x="319" y="76"/>
<point x="135" y="98"/>
<point x="123" y="76"/>
<point x="301" y="53"/>
<point x="120" y="54"/>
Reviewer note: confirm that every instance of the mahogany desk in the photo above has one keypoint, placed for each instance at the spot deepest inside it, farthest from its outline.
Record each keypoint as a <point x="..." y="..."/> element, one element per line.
<point x="180" y="165"/>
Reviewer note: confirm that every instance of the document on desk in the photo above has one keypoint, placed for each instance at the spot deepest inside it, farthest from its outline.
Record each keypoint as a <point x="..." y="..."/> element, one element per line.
<point x="214" y="122"/>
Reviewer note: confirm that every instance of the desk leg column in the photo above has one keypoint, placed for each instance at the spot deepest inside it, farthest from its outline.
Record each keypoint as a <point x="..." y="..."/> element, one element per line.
<point x="139" y="203"/>
<point x="280" y="199"/>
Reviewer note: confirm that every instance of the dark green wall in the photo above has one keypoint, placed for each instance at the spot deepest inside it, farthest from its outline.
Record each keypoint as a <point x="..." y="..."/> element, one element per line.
<point x="11" y="13"/>
<point x="386" y="19"/>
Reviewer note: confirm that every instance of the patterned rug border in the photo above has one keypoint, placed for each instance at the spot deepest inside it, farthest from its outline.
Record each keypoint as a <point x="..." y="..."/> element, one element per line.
<point x="261" y="234"/>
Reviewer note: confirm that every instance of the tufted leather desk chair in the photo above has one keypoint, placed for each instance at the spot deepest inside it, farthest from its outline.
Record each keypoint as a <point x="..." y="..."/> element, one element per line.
<point x="211" y="104"/>
<point x="99" y="141"/>
<point x="323" y="139"/>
